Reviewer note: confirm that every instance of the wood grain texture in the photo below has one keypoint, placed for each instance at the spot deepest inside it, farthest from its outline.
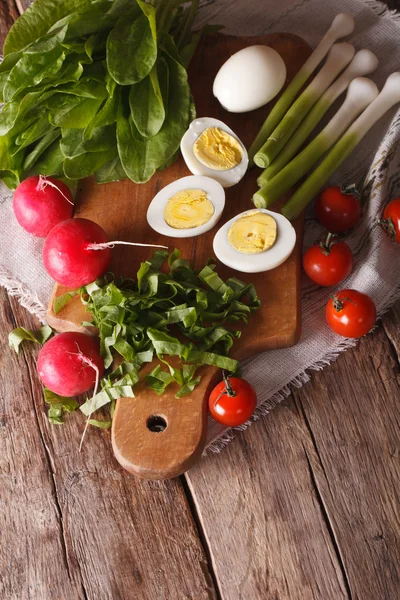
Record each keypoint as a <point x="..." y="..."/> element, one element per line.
<point x="32" y="547"/>
<point x="305" y="503"/>
<point x="353" y="412"/>
<point x="76" y="525"/>
<point x="8" y="14"/>
<point x="264" y="526"/>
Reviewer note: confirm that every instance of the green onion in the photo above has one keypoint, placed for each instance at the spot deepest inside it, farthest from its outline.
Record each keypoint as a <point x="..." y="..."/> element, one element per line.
<point x="361" y="93"/>
<point x="342" y="25"/>
<point x="338" y="58"/>
<point x="389" y="96"/>
<point x="364" y="62"/>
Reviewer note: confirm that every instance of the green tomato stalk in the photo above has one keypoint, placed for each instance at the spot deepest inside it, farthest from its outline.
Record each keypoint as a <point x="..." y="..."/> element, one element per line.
<point x="338" y="58"/>
<point x="361" y="93"/>
<point x="389" y="96"/>
<point x="363" y="63"/>
<point x="342" y="25"/>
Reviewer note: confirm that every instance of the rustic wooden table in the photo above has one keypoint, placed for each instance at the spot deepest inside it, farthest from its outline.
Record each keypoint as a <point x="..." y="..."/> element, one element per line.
<point x="304" y="505"/>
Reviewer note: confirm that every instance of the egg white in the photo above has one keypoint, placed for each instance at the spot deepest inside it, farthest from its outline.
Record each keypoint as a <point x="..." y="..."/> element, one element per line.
<point x="249" y="79"/>
<point x="262" y="261"/>
<point x="225" y="178"/>
<point x="155" y="213"/>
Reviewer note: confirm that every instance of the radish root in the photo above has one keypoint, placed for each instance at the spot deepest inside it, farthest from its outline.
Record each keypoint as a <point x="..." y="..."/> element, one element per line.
<point x="44" y="182"/>
<point x="105" y="245"/>
<point x="95" y="368"/>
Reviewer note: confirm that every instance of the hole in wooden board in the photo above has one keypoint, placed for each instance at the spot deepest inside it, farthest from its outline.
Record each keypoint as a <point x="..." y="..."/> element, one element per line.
<point x="156" y="424"/>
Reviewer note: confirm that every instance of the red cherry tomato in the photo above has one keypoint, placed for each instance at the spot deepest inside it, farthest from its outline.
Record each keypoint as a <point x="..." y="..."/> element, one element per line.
<point x="232" y="401"/>
<point x="328" y="263"/>
<point x="338" y="208"/>
<point x="350" y="313"/>
<point x="391" y="220"/>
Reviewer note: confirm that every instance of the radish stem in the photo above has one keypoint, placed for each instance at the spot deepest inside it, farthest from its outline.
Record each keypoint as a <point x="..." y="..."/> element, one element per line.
<point x="44" y="182"/>
<point x="389" y="96"/>
<point x="342" y="25"/>
<point x="361" y="93"/>
<point x="105" y="245"/>
<point x="364" y="62"/>
<point x="87" y="361"/>
<point x="338" y="58"/>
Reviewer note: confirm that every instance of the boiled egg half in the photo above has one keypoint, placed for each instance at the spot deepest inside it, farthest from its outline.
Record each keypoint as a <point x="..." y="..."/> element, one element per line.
<point x="254" y="241"/>
<point x="187" y="207"/>
<point x="211" y="148"/>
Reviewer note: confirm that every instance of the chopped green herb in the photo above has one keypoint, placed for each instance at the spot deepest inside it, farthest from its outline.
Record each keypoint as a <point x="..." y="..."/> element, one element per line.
<point x="19" y="335"/>
<point x="58" y="404"/>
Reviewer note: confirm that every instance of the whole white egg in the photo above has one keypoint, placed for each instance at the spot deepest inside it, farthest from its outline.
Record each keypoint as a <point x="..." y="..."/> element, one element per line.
<point x="177" y="204"/>
<point x="261" y="261"/>
<point x="226" y="173"/>
<point x="249" y="79"/>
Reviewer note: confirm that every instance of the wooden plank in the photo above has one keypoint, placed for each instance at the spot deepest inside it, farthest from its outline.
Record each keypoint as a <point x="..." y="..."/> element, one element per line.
<point x="353" y="413"/>
<point x="261" y="517"/>
<point x="305" y="503"/>
<point x="32" y="551"/>
<point x="8" y="14"/>
<point x="76" y="524"/>
<point x="391" y="324"/>
<point x="22" y="5"/>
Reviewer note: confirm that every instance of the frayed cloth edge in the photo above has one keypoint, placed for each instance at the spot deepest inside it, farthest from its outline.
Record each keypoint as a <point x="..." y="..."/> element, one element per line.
<point x="220" y="442"/>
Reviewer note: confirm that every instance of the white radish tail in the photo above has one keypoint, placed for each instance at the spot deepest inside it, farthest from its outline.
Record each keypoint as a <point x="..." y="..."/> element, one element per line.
<point x="44" y="182"/>
<point x="105" y="245"/>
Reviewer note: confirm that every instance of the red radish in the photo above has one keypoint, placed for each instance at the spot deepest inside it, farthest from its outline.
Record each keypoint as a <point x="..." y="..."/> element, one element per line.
<point x="67" y="256"/>
<point x="70" y="363"/>
<point x="40" y="203"/>
<point x="77" y="252"/>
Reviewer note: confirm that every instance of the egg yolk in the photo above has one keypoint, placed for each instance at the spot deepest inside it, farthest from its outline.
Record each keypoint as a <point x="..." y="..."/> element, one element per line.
<point x="253" y="233"/>
<point x="187" y="209"/>
<point x="217" y="150"/>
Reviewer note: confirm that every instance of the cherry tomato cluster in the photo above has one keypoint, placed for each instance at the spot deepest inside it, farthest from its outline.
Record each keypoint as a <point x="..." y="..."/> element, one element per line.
<point x="349" y="313"/>
<point x="329" y="262"/>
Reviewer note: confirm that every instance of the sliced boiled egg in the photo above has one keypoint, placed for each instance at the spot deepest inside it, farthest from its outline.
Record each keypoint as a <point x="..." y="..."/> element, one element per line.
<point x="187" y="207"/>
<point x="211" y="148"/>
<point x="254" y="241"/>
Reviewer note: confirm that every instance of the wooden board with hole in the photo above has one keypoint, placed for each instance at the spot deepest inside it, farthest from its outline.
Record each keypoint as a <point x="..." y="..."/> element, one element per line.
<point x="160" y="437"/>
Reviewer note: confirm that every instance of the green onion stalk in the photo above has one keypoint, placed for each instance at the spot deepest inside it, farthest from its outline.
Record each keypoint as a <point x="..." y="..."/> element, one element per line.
<point x="361" y="93"/>
<point x="389" y="96"/>
<point x="338" y="58"/>
<point x="364" y="62"/>
<point x="342" y="25"/>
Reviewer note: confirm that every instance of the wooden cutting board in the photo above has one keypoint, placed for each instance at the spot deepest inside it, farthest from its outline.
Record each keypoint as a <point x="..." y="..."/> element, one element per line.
<point x="160" y="437"/>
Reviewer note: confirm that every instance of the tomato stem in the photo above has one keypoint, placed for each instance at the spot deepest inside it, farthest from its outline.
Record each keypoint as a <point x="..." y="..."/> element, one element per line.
<point x="327" y="244"/>
<point x="228" y="386"/>
<point x="388" y="227"/>
<point x="338" y="302"/>
<point x="350" y="189"/>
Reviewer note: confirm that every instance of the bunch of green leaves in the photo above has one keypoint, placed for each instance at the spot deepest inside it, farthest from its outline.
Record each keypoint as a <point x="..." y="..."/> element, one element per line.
<point x="95" y="87"/>
<point x="169" y="310"/>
